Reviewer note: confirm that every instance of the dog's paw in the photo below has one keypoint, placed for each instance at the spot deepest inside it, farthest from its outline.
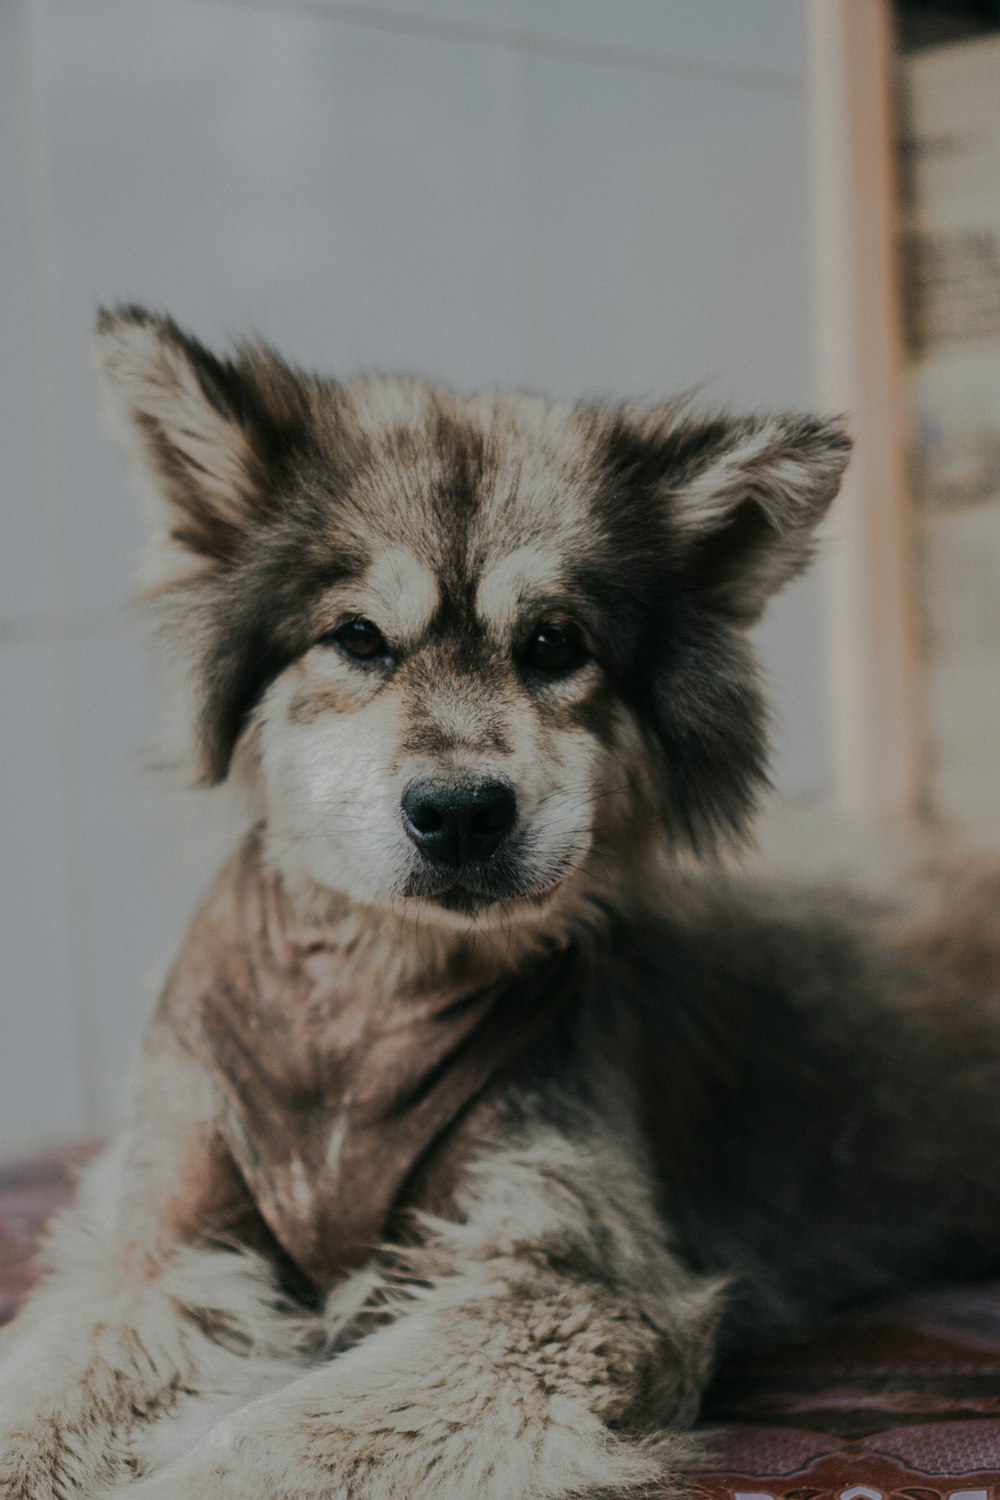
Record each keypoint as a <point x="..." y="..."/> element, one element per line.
<point x="29" y="1463"/>
<point x="225" y="1465"/>
<point x="237" y="1469"/>
<point x="42" y="1458"/>
<point x="363" y="1463"/>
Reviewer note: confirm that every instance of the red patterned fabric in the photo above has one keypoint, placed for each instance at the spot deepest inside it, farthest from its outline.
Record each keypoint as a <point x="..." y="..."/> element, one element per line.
<point x="30" y="1192"/>
<point x="899" y="1403"/>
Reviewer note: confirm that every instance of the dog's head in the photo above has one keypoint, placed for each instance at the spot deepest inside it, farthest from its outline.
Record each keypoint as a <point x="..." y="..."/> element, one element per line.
<point x="475" y="650"/>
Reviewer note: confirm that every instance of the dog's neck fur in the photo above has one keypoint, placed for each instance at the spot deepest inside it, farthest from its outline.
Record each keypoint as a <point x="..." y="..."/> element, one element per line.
<point x="404" y="949"/>
<point x="345" y="1097"/>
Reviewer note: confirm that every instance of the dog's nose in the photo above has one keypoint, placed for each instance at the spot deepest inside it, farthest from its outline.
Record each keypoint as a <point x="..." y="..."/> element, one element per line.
<point x="457" y="825"/>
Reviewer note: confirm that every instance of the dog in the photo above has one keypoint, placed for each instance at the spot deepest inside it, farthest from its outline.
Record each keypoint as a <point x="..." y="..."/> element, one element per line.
<point x="482" y="1112"/>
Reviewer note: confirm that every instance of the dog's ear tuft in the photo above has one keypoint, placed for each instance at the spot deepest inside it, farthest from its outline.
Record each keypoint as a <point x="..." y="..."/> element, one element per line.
<point x="744" y="520"/>
<point x="209" y="432"/>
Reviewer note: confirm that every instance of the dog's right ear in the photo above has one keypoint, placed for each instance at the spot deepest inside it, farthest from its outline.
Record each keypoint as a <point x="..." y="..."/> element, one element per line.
<point x="212" y="434"/>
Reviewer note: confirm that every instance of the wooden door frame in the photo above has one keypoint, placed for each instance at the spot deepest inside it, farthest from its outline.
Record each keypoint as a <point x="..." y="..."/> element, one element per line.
<point x="873" y="626"/>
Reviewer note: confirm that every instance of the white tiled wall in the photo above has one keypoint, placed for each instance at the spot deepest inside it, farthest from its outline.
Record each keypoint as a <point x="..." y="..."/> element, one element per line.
<point x="583" y="195"/>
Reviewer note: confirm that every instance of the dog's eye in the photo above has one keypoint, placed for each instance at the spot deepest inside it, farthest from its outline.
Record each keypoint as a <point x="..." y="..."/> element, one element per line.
<point x="360" y="640"/>
<point x="553" y="649"/>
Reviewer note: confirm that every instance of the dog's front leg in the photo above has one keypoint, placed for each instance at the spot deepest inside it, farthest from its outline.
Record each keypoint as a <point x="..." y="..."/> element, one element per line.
<point x="549" y="1346"/>
<point x="136" y="1321"/>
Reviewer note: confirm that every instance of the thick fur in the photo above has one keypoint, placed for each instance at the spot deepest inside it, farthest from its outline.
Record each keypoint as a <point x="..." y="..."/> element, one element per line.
<point x="761" y="1105"/>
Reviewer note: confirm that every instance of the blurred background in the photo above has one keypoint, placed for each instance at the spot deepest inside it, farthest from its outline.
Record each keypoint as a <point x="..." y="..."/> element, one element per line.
<point x="784" y="202"/>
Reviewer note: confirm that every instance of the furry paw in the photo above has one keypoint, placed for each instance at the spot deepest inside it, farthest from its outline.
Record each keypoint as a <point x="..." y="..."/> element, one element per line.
<point x="44" y="1459"/>
<point x="233" y="1464"/>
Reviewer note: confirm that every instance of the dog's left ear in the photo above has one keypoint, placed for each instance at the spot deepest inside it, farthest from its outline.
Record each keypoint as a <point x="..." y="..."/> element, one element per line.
<point x="728" y="508"/>
<point x="743" y="515"/>
<point x="740" y="497"/>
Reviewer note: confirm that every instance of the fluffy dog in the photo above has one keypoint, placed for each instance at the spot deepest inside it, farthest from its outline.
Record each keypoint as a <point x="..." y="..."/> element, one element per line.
<point x="472" y="1125"/>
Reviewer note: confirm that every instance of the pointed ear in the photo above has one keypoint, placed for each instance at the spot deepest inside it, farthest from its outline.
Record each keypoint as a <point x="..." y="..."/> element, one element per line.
<point x="209" y="433"/>
<point x="743" y="509"/>
<point x="739" y="498"/>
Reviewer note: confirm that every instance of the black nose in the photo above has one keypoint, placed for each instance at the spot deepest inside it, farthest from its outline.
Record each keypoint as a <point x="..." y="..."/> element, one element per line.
<point x="457" y="825"/>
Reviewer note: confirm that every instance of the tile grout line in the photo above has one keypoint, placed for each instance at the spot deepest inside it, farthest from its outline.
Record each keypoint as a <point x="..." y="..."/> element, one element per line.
<point x="485" y="33"/>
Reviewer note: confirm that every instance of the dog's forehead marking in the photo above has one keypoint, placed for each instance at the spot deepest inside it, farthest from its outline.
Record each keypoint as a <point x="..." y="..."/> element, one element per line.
<point x="403" y="592"/>
<point x="533" y="569"/>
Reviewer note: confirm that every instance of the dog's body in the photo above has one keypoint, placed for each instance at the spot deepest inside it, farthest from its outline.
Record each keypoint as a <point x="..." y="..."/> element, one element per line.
<point x="469" y="1130"/>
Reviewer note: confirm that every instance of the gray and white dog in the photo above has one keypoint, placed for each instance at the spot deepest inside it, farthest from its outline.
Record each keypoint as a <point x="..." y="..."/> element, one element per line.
<point x="474" y="1124"/>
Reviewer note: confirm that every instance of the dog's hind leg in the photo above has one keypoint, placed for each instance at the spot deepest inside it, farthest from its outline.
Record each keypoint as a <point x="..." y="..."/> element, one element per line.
<point x="542" y="1348"/>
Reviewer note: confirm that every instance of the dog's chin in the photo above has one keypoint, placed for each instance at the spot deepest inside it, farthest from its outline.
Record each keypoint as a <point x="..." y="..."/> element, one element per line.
<point x="477" y="898"/>
<point x="462" y="902"/>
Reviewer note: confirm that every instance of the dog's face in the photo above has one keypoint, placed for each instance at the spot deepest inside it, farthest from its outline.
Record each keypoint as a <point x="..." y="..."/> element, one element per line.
<point x="478" y="652"/>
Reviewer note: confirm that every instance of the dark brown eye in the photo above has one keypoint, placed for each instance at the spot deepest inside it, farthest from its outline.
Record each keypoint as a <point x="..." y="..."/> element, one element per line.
<point x="360" y="640"/>
<point x="555" y="649"/>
